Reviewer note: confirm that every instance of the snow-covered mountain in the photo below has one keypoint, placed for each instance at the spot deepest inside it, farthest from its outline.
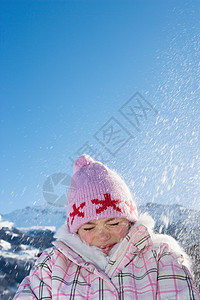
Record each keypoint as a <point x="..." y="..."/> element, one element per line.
<point x="181" y="223"/>
<point x="176" y="220"/>
<point x="169" y="214"/>
<point x="26" y="232"/>
<point x="18" y="251"/>
<point x="37" y="216"/>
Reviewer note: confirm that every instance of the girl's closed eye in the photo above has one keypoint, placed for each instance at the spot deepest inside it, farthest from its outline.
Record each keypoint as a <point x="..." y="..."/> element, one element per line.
<point x="114" y="224"/>
<point x="89" y="228"/>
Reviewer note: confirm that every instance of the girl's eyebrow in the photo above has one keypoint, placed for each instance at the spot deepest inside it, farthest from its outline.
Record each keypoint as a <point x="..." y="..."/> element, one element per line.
<point x="110" y="220"/>
<point x="90" y="223"/>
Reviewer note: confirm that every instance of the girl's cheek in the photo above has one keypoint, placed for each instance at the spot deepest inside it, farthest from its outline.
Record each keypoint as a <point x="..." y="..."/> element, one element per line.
<point x="122" y="232"/>
<point x="86" y="237"/>
<point x="83" y="236"/>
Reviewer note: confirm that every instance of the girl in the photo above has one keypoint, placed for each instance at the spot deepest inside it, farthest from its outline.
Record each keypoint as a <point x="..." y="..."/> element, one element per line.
<point x="105" y="250"/>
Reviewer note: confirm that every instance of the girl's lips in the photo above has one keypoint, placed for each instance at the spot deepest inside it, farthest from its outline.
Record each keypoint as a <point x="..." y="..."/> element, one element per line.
<point x="106" y="249"/>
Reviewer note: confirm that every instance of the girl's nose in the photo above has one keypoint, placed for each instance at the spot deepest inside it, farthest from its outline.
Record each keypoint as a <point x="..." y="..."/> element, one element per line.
<point x="103" y="234"/>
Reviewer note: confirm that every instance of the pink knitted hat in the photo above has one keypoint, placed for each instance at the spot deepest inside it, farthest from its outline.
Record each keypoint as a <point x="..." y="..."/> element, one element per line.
<point x="96" y="192"/>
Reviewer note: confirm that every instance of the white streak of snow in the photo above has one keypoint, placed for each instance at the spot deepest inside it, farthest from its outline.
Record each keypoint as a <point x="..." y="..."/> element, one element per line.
<point x="5" y="245"/>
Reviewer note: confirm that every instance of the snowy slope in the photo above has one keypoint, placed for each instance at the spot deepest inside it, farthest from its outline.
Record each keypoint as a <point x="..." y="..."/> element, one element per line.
<point x="18" y="251"/>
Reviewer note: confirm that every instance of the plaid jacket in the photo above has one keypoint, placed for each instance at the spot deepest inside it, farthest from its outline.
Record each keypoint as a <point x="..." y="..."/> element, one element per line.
<point x="138" y="269"/>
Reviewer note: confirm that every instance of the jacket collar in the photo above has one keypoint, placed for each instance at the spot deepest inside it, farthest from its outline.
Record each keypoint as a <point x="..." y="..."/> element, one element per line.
<point x="137" y="240"/>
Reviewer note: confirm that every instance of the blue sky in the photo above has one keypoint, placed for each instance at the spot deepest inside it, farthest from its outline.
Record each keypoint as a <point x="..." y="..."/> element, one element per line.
<point x="67" y="67"/>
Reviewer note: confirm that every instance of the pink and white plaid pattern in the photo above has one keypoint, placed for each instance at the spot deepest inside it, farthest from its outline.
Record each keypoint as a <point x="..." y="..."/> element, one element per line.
<point x="137" y="270"/>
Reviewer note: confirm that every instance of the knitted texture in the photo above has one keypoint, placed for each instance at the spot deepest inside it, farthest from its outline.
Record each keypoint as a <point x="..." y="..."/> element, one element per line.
<point x="96" y="192"/>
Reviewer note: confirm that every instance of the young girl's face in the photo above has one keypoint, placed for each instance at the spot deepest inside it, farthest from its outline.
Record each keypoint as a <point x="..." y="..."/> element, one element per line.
<point x="104" y="233"/>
